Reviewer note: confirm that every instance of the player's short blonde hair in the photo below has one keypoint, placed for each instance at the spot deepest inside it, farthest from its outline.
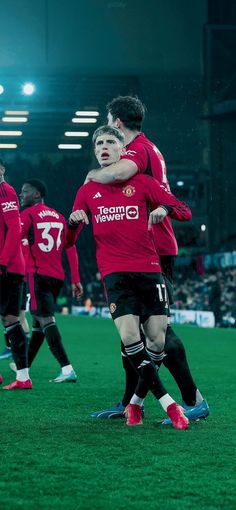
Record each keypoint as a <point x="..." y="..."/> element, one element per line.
<point x="108" y="130"/>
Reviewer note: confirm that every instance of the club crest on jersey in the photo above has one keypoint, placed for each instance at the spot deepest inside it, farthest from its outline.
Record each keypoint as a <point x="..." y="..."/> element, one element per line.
<point x="129" y="191"/>
<point x="112" y="307"/>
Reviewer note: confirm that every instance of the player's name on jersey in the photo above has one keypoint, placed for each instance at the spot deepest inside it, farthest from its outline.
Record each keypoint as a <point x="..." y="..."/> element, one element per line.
<point x="47" y="212"/>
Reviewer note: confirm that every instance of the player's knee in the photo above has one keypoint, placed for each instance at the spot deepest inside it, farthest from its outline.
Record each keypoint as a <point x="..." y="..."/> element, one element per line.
<point x="156" y="342"/>
<point x="129" y="338"/>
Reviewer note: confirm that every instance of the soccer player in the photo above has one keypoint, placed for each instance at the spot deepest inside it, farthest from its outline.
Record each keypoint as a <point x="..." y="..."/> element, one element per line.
<point x="129" y="264"/>
<point x="44" y="234"/>
<point x="141" y="155"/>
<point x="12" y="269"/>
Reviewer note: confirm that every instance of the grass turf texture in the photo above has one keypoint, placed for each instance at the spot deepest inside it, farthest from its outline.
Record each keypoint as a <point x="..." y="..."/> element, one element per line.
<point x="54" y="456"/>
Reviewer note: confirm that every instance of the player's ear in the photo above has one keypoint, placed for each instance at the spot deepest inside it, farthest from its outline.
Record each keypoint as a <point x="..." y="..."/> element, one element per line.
<point x="118" y="123"/>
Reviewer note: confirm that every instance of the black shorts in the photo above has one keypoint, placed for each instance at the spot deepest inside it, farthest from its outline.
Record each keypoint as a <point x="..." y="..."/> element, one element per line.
<point x="141" y="294"/>
<point x="44" y="291"/>
<point x="167" y="265"/>
<point x="11" y="287"/>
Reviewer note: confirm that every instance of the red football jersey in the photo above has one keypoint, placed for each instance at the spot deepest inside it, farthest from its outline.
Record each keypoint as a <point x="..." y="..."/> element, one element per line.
<point x="150" y="160"/>
<point x="120" y="222"/>
<point x="10" y="230"/>
<point x="44" y="231"/>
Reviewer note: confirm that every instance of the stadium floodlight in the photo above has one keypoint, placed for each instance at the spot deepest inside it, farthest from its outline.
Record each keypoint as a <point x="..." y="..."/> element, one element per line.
<point x="11" y="133"/>
<point x="14" y="119"/>
<point x="28" y="89"/>
<point x="69" y="146"/>
<point x="84" y="120"/>
<point x="8" y="146"/>
<point x="203" y="228"/>
<point x="16" y="112"/>
<point x="87" y="114"/>
<point x="1" y="89"/>
<point x="76" y="133"/>
<point x="180" y="183"/>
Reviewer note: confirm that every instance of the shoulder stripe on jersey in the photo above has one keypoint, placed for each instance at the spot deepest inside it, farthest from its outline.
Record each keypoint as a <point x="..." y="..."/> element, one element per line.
<point x="149" y="166"/>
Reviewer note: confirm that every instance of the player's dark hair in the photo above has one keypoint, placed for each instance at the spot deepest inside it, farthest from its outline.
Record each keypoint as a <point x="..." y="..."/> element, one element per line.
<point x="1" y="162"/>
<point x="129" y="109"/>
<point x="108" y="130"/>
<point x="40" y="186"/>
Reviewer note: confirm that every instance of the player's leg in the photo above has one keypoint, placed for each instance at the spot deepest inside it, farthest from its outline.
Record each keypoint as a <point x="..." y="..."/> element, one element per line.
<point x="6" y="354"/>
<point x="196" y="407"/>
<point x="36" y="340"/>
<point x="112" y="283"/>
<point x="15" y="331"/>
<point x="46" y="291"/>
<point x="34" y="343"/>
<point x="128" y="327"/>
<point x="23" y="319"/>
<point x="176" y="359"/>
<point x="132" y="296"/>
<point x="4" y="296"/>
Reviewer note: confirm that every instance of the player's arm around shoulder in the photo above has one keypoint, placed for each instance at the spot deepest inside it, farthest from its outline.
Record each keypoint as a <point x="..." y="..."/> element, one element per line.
<point x="117" y="172"/>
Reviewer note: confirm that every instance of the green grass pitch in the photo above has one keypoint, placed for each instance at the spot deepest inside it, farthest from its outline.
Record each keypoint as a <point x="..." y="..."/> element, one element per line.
<point x="54" y="456"/>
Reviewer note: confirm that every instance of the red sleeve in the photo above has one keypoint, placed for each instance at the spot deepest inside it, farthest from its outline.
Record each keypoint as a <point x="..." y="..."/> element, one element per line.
<point x="26" y="222"/>
<point x="80" y="199"/>
<point x="11" y="218"/>
<point x="73" y="260"/>
<point x="74" y="231"/>
<point x="158" y="196"/>
<point x="139" y="157"/>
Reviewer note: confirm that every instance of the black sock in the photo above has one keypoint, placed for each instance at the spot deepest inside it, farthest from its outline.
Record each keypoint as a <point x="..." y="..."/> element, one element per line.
<point x="176" y="362"/>
<point x="131" y="377"/>
<point x="53" y="338"/>
<point x="18" y="344"/>
<point x="146" y="368"/>
<point x="35" y="343"/>
<point x="142" y="389"/>
<point x="7" y="339"/>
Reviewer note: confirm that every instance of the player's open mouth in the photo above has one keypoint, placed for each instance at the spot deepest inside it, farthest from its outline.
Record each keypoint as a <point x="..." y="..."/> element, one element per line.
<point x="105" y="155"/>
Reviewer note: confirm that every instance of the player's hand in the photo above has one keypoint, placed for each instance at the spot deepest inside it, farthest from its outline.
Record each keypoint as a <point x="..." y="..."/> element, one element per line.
<point x="3" y="270"/>
<point x="77" y="290"/>
<point x="77" y="216"/>
<point x="156" y="216"/>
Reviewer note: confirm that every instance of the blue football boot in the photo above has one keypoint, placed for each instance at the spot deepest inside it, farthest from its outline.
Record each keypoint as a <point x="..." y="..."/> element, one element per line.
<point x="117" y="411"/>
<point x="6" y="353"/>
<point x="62" y="378"/>
<point x="193" y="413"/>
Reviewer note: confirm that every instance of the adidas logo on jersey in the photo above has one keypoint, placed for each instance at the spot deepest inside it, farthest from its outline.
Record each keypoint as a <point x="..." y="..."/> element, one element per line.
<point x="98" y="195"/>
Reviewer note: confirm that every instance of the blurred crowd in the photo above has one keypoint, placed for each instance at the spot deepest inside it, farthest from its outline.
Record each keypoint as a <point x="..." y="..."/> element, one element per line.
<point x="214" y="292"/>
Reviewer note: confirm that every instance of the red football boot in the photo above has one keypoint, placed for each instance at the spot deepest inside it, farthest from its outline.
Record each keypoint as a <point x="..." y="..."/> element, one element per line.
<point x="19" y="385"/>
<point x="134" y="414"/>
<point x="175" y="413"/>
